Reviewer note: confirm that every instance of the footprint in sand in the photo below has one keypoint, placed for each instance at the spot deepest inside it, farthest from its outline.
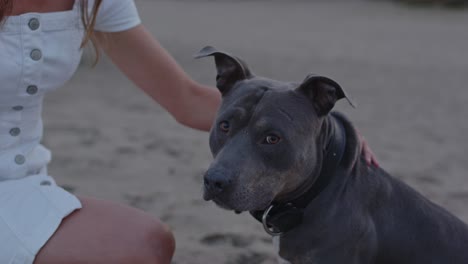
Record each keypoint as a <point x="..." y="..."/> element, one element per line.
<point x="234" y="240"/>
<point x="427" y="179"/>
<point x="137" y="108"/>
<point x="461" y="195"/>
<point x="142" y="202"/>
<point x="251" y="258"/>
<point x="153" y="145"/>
<point x="173" y="152"/>
<point x="125" y="150"/>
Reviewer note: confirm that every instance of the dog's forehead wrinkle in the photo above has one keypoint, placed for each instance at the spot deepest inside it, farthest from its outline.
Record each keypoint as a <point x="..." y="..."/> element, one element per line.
<point x="242" y="100"/>
<point x="285" y="113"/>
<point x="248" y="100"/>
<point x="271" y="84"/>
<point x="278" y="108"/>
<point x="235" y="112"/>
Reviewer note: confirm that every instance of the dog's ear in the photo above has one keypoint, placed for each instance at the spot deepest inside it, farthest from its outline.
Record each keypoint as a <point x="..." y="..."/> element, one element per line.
<point x="323" y="92"/>
<point x="229" y="68"/>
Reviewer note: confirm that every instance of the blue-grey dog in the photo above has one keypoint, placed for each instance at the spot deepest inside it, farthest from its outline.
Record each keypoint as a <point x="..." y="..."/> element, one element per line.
<point x="281" y="155"/>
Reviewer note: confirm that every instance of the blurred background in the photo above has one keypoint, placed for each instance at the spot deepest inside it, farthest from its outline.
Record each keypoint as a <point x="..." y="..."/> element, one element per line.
<point x="406" y="66"/>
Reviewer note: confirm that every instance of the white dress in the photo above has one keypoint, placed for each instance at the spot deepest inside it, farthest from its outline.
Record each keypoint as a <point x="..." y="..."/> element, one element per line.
<point x="39" y="52"/>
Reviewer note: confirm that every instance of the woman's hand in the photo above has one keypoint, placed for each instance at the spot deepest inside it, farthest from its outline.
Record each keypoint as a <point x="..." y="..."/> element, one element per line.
<point x="369" y="156"/>
<point x="142" y="59"/>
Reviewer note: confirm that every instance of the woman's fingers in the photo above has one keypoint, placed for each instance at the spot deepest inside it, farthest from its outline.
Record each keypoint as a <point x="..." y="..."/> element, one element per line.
<point x="369" y="155"/>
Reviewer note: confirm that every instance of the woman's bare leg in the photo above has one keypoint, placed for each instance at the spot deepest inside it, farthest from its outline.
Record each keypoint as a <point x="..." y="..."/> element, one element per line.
<point x="103" y="232"/>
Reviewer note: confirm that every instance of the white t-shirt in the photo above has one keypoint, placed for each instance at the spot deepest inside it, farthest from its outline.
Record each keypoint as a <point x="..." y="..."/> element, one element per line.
<point x="39" y="52"/>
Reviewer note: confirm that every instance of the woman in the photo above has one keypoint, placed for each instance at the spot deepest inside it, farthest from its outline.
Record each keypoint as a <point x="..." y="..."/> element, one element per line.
<point x="40" y="48"/>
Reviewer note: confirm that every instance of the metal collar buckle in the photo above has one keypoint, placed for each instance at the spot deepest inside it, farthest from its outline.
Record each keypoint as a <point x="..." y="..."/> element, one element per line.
<point x="268" y="229"/>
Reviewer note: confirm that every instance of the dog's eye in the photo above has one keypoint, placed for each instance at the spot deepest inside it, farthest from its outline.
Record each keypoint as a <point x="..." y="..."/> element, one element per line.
<point x="224" y="126"/>
<point x="272" y="139"/>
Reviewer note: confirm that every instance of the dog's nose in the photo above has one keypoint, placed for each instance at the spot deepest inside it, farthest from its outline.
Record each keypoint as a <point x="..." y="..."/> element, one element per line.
<point x="215" y="183"/>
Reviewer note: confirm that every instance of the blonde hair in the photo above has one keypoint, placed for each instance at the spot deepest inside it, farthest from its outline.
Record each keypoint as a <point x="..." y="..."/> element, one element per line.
<point x="88" y="19"/>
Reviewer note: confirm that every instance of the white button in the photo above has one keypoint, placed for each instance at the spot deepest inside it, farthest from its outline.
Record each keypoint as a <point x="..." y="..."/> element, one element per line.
<point x="45" y="183"/>
<point x="20" y="159"/>
<point x="32" y="89"/>
<point x="34" y="24"/>
<point x="36" y="54"/>
<point x="17" y="108"/>
<point x="15" y="131"/>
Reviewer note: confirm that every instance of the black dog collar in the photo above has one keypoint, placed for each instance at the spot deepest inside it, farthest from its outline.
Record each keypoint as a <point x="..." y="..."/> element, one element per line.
<point x="281" y="217"/>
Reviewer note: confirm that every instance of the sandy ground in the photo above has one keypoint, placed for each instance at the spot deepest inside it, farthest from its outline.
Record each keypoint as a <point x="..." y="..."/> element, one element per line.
<point x="407" y="68"/>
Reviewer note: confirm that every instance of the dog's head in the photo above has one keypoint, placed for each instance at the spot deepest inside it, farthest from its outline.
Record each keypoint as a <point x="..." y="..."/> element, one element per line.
<point x="265" y="136"/>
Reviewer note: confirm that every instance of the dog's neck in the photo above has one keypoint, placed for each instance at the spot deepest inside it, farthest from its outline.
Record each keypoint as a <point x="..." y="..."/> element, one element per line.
<point x="287" y="212"/>
<point x="331" y="152"/>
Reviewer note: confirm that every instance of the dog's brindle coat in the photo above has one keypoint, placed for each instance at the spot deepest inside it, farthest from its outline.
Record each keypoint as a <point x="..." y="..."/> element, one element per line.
<point x="269" y="143"/>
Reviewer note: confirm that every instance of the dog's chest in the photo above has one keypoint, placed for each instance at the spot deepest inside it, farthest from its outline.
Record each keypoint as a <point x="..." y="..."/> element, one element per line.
<point x="276" y="244"/>
<point x="294" y="251"/>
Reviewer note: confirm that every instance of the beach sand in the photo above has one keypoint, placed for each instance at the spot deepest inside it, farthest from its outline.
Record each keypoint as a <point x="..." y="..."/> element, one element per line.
<point x="406" y="68"/>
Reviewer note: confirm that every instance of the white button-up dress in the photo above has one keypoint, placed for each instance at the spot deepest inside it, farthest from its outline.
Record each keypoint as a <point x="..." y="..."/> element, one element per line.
<point x="39" y="52"/>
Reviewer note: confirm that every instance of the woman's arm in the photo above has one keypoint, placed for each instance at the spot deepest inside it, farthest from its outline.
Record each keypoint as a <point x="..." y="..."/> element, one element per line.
<point x="142" y="59"/>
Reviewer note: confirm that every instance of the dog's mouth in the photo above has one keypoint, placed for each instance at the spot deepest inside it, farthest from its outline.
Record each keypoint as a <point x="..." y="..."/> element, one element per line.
<point x="239" y="204"/>
<point x="239" y="197"/>
<point x="224" y="205"/>
<point x="221" y="200"/>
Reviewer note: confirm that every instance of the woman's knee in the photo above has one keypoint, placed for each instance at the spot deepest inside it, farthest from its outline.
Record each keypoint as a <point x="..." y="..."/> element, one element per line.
<point x="149" y="241"/>
<point x="158" y="244"/>
<point x="109" y="233"/>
